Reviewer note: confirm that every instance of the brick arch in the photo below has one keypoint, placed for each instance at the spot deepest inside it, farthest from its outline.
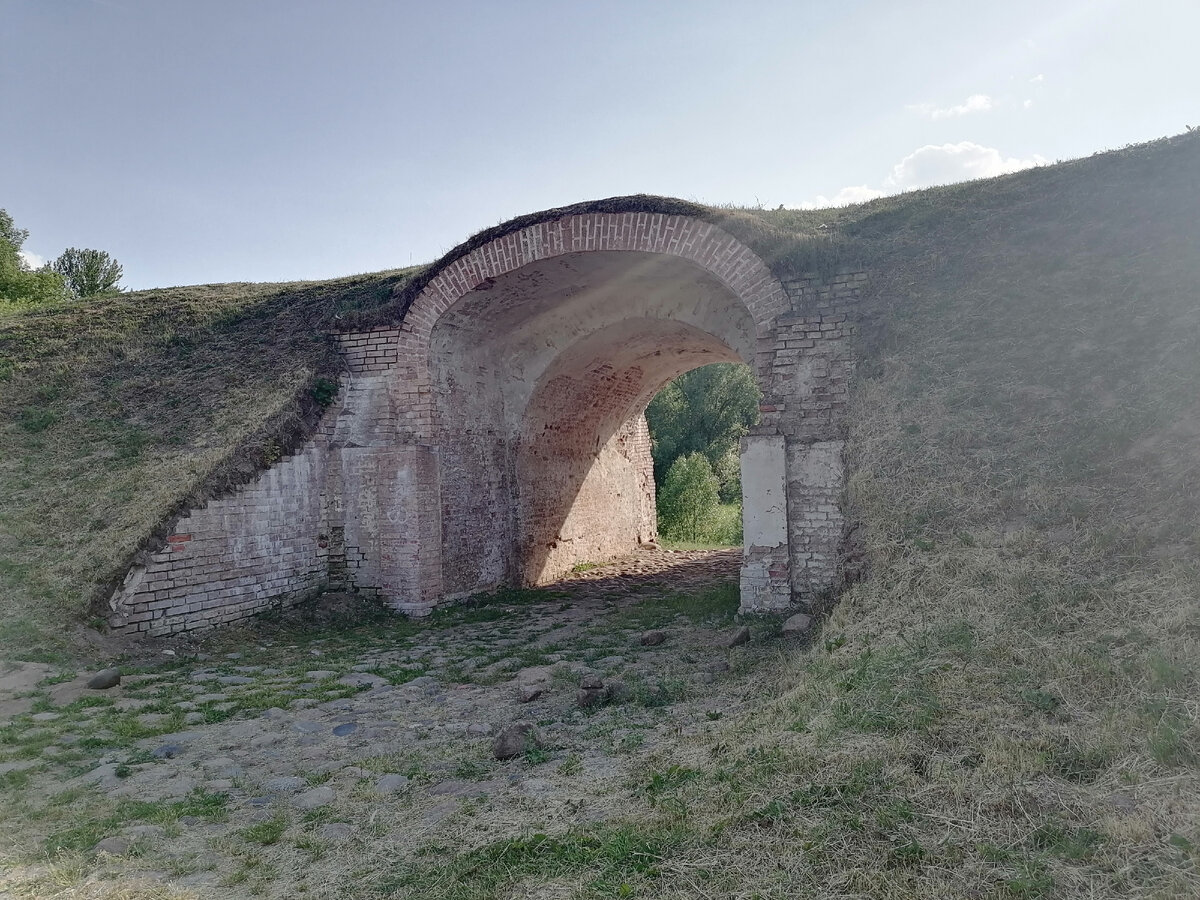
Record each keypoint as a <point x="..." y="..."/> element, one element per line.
<point x="709" y="247"/>
<point x="703" y="243"/>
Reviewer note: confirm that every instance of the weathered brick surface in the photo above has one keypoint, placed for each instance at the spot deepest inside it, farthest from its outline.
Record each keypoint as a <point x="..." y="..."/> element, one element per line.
<point x="496" y="435"/>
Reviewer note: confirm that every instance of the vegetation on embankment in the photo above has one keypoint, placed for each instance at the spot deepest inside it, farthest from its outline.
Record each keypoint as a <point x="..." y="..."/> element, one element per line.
<point x="1029" y="365"/>
<point x="117" y="412"/>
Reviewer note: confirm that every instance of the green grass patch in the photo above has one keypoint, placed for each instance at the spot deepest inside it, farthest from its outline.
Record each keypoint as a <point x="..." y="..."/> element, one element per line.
<point x="613" y="860"/>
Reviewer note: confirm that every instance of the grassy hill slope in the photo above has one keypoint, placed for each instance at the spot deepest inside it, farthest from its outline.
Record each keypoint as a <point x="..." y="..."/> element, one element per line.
<point x="117" y="412"/>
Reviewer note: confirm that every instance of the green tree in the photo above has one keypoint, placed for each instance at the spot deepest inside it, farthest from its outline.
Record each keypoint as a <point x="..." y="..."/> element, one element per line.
<point x="88" y="272"/>
<point x="688" y="498"/>
<point x="706" y="410"/>
<point x="19" y="284"/>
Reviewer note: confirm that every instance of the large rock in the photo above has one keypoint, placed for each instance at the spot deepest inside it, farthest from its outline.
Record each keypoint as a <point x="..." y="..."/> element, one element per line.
<point x="317" y="797"/>
<point x="390" y="784"/>
<point x="739" y="637"/>
<point x="797" y="624"/>
<point x="591" y="691"/>
<point x="653" y="638"/>
<point x="617" y="691"/>
<point x="515" y="739"/>
<point x="104" y="679"/>
<point x="116" y="846"/>
<point x="532" y="683"/>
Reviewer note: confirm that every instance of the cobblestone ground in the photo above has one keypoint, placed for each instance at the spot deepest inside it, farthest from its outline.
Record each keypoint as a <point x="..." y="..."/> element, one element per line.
<point x="299" y="759"/>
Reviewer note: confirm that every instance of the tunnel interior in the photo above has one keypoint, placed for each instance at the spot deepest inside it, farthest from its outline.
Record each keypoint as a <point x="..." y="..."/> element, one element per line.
<point x="540" y="380"/>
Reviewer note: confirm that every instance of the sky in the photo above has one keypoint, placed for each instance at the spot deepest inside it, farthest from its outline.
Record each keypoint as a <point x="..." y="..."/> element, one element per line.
<point x="270" y="140"/>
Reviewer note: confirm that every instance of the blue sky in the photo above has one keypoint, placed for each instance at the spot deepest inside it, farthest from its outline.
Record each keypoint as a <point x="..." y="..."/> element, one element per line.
<point x="268" y="140"/>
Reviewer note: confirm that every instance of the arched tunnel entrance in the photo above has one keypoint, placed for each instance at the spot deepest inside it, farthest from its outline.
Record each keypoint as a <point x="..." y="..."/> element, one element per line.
<point x="543" y="378"/>
<point x="540" y="350"/>
<point x="491" y="432"/>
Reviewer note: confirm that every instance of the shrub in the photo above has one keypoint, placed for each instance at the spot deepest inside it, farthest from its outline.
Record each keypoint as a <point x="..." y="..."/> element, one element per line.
<point x="688" y="499"/>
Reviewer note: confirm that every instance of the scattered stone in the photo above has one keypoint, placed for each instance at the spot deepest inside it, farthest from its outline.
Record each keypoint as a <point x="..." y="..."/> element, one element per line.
<point x="479" y="728"/>
<point x="617" y="691"/>
<point x="319" y="674"/>
<point x="437" y="813"/>
<point x="218" y="785"/>
<point x="739" y="637"/>
<point x="335" y="831"/>
<point x="315" y="798"/>
<point x="104" y="679"/>
<point x="390" y="784"/>
<point x="166" y="751"/>
<point x="797" y="624"/>
<point x="515" y="739"/>
<point x="285" y="784"/>
<point x="611" y="662"/>
<point x="275" y="714"/>
<point x="267" y="739"/>
<point x="143" y="831"/>
<point x="528" y="692"/>
<point x="586" y="699"/>
<point x="591" y="683"/>
<point x="234" y="679"/>
<point x="345" y="728"/>
<point x="45" y="716"/>
<point x="189" y="821"/>
<point x="303" y="703"/>
<point x="307" y="727"/>
<point x="17" y="766"/>
<point x="717" y="666"/>
<point x="233" y="655"/>
<point x="362" y="680"/>
<point x="115" y="846"/>
<point x="193" y="718"/>
<point x="653" y="638"/>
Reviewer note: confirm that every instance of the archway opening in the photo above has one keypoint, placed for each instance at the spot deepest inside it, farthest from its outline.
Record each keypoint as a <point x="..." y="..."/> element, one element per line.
<point x="540" y="380"/>
<point x="696" y="424"/>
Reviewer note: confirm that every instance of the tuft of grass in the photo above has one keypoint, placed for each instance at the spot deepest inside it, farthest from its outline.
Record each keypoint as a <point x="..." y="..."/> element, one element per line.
<point x="267" y="832"/>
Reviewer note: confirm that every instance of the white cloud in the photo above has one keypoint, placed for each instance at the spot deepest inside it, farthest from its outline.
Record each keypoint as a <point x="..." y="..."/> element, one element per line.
<point x="948" y="163"/>
<point x="930" y="165"/>
<point x="854" y="193"/>
<point x="32" y="260"/>
<point x="1037" y="79"/>
<point x="973" y="104"/>
<point x="1028" y="104"/>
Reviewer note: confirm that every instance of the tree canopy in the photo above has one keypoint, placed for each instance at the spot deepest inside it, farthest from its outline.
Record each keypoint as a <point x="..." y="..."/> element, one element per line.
<point x="19" y="284"/>
<point x="88" y="272"/>
<point x="705" y="411"/>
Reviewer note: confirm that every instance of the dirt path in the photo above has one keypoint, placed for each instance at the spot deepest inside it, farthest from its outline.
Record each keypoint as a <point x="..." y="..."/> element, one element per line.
<point x="281" y="762"/>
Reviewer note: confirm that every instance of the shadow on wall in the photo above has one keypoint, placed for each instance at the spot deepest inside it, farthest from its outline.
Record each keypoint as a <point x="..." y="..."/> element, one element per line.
<point x="585" y="478"/>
